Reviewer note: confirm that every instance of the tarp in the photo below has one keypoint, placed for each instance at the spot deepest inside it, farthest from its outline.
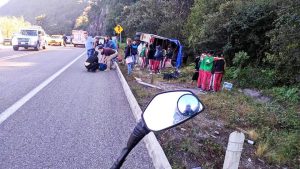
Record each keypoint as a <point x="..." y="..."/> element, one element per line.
<point x="179" y="54"/>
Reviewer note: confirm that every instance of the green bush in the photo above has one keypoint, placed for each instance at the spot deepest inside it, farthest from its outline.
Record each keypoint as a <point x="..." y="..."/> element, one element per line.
<point x="289" y="95"/>
<point x="284" y="147"/>
<point x="250" y="77"/>
<point x="240" y="58"/>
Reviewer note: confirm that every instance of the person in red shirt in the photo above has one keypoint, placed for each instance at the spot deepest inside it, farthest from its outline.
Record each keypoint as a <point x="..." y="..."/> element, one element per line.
<point x="108" y="55"/>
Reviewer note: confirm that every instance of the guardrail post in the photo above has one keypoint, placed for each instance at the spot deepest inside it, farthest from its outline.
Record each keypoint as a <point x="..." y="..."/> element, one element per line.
<point x="234" y="150"/>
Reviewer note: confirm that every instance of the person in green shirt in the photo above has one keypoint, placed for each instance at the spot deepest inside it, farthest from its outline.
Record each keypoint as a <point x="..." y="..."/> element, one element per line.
<point x="208" y="63"/>
<point x="199" y="82"/>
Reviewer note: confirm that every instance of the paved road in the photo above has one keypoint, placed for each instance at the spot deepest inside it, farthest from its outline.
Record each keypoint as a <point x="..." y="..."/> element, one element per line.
<point x="78" y="120"/>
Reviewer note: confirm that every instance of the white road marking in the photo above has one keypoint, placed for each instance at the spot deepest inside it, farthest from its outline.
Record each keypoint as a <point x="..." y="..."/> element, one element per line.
<point x="17" y="56"/>
<point x="13" y="108"/>
<point x="28" y="53"/>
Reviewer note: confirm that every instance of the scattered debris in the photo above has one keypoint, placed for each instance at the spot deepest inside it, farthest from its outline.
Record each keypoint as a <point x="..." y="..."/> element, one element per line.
<point x="249" y="141"/>
<point x="261" y="160"/>
<point x="146" y="84"/>
<point x="182" y="129"/>
<point x="213" y="136"/>
<point x="227" y="86"/>
<point x="217" y="133"/>
<point x="197" y="168"/>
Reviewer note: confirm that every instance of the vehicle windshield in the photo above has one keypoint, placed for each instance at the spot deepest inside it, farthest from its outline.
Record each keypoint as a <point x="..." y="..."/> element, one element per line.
<point x="29" y="32"/>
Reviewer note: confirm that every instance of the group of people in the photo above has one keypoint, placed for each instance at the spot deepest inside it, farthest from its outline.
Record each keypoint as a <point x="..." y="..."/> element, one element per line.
<point x="108" y="51"/>
<point x="209" y="68"/>
<point x="150" y="56"/>
<point x="209" y="71"/>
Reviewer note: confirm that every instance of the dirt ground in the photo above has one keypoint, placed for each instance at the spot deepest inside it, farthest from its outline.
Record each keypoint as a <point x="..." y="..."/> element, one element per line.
<point x="200" y="142"/>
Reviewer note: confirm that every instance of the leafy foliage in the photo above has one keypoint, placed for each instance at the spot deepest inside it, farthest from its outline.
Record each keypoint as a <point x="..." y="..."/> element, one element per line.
<point x="240" y="58"/>
<point x="249" y="77"/>
<point x="10" y="25"/>
<point x="285" y="44"/>
<point x="288" y="95"/>
<point x="267" y="30"/>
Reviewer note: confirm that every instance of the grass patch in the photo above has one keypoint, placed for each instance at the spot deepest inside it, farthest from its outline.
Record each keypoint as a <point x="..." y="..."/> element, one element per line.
<point x="275" y="127"/>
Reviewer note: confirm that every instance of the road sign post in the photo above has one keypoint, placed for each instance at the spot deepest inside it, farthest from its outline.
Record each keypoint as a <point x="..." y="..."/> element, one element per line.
<point x="118" y="29"/>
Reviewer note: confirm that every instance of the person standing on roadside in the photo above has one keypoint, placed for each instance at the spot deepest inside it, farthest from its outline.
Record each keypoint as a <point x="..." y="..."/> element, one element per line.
<point x="207" y="66"/>
<point x="158" y="58"/>
<point x="201" y="64"/>
<point x="65" y="40"/>
<point x="143" y="55"/>
<point x="108" y="43"/>
<point x="218" y="72"/>
<point x="89" y="45"/>
<point x="151" y="52"/>
<point x="197" y="66"/>
<point x="134" y="52"/>
<point x="128" y="56"/>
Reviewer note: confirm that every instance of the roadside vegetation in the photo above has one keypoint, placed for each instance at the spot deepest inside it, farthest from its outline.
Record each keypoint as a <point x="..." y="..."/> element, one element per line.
<point x="10" y="25"/>
<point x="273" y="126"/>
<point x="55" y="16"/>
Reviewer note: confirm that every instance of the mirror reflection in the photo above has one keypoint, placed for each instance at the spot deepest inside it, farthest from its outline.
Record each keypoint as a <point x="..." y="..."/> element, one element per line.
<point x="169" y="109"/>
<point x="187" y="106"/>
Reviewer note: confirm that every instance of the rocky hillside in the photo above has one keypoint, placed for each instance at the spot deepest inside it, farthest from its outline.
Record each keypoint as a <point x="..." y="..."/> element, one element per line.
<point x="55" y="16"/>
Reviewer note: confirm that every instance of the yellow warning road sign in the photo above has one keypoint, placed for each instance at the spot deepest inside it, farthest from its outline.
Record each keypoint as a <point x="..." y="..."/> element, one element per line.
<point x="118" y="29"/>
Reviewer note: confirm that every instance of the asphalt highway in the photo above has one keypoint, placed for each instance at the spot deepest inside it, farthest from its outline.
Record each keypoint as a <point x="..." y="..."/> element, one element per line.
<point x="55" y="114"/>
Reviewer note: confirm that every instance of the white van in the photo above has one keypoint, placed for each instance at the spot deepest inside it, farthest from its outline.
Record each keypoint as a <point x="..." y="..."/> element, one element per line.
<point x="30" y="38"/>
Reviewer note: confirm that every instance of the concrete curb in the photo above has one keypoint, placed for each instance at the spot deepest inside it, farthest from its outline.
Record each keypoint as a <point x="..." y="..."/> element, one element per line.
<point x="155" y="151"/>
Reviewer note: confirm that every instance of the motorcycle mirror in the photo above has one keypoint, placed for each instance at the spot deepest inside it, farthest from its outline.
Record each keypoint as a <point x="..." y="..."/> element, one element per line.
<point x="170" y="109"/>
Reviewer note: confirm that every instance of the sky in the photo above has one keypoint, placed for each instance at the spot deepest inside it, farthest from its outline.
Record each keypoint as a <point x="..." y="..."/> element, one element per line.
<point x="3" y="2"/>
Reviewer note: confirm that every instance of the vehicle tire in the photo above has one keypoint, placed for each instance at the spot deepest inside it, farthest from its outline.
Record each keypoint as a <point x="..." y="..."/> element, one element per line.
<point x="60" y="44"/>
<point x="26" y="48"/>
<point x="16" y="48"/>
<point x="75" y="45"/>
<point x="37" y="48"/>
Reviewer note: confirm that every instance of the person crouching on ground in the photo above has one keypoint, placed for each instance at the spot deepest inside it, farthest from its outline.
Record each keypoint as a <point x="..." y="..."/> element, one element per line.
<point x="89" y="45"/>
<point x="108" y="55"/>
<point x="91" y="63"/>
